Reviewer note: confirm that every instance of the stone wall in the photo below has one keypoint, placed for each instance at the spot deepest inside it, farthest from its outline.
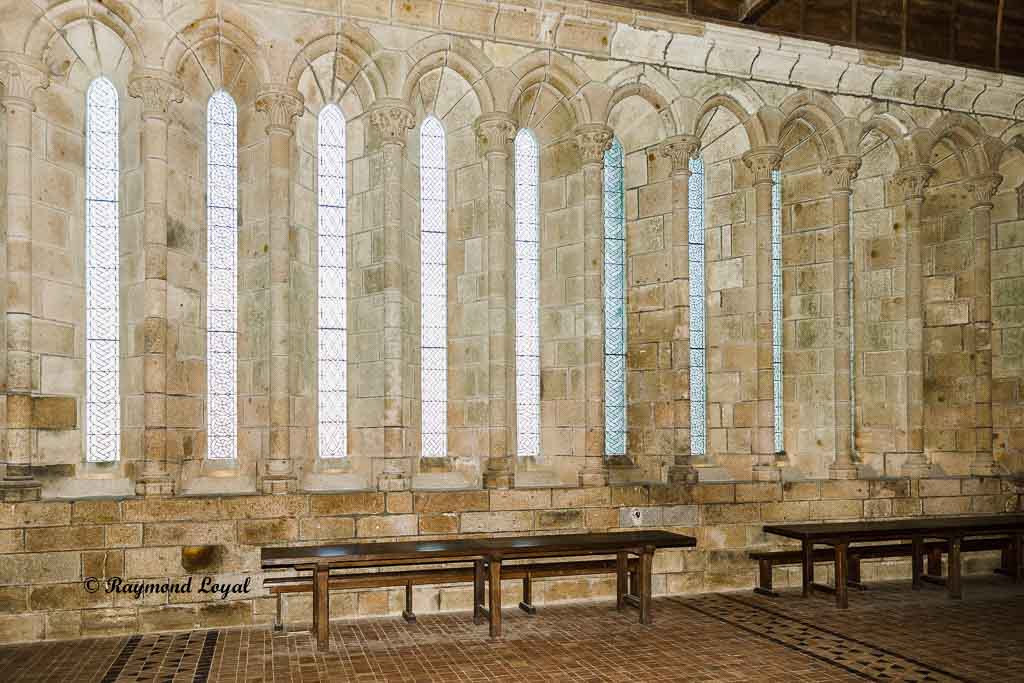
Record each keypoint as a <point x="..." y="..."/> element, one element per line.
<point x="930" y="156"/>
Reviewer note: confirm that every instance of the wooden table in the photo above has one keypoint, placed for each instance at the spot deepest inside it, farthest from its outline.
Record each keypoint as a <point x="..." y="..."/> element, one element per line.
<point x="840" y="535"/>
<point x="486" y="554"/>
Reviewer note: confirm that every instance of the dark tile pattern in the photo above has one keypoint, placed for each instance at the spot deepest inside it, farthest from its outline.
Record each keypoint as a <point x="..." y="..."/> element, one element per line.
<point x="890" y="633"/>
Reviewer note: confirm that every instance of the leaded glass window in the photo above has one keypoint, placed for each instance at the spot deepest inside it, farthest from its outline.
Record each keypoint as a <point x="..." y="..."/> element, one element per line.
<point x="332" y="282"/>
<point x="614" y="301"/>
<point x="777" y="306"/>
<point x="102" y="261"/>
<point x="221" y="276"/>
<point x="698" y="366"/>
<point x="527" y="245"/>
<point x="433" y="290"/>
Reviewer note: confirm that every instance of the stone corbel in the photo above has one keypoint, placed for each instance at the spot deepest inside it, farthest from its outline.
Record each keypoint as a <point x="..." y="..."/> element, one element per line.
<point x="157" y="89"/>
<point x="680" y="149"/>
<point x="984" y="188"/>
<point x="593" y="140"/>
<point x="392" y="118"/>
<point x="21" y="77"/>
<point x="841" y="172"/>
<point x="281" y="106"/>
<point x="762" y="161"/>
<point x="914" y="180"/>
<point x="495" y="133"/>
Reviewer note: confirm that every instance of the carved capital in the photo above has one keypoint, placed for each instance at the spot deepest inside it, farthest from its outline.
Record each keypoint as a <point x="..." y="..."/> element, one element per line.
<point x="762" y="161"/>
<point x="680" y="149"/>
<point x="984" y="188"/>
<point x="593" y="140"/>
<point x="280" y="105"/>
<point x="841" y="171"/>
<point x="391" y="118"/>
<point x="157" y="89"/>
<point x="21" y="77"/>
<point x="914" y="180"/>
<point x="495" y="133"/>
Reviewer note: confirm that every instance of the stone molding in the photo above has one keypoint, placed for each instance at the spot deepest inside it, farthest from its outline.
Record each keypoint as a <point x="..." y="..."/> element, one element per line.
<point x="841" y="172"/>
<point x="392" y="118"/>
<point x="157" y="89"/>
<point x="593" y="140"/>
<point x="680" y="149"/>
<point x="281" y="106"/>
<point x="21" y="77"/>
<point x="495" y="133"/>
<point x="914" y="180"/>
<point x="762" y="161"/>
<point x="984" y="188"/>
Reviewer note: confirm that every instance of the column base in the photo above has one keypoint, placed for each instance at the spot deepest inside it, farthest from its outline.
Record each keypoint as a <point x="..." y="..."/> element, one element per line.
<point x="20" y="490"/>
<point x="843" y="472"/>
<point x="766" y="473"/>
<point x="498" y="475"/>
<point x="279" y="485"/>
<point x="154" y="486"/>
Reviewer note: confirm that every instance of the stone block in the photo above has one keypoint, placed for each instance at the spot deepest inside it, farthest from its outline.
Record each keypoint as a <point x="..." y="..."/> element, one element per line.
<point x="387" y="525"/>
<point x="939" y="487"/>
<point x="521" y="499"/>
<point x="482" y="522"/>
<point x="792" y="511"/>
<point x="601" y="519"/>
<point x="801" y="490"/>
<point x="186" y="533"/>
<point x="889" y="488"/>
<point x="836" y="509"/>
<point x="399" y="502"/>
<point x="63" y="538"/>
<point x="958" y="505"/>
<point x="18" y="515"/>
<point x="758" y="492"/>
<point x="360" y="503"/>
<point x="264" y="507"/>
<point x="327" y="528"/>
<point x="737" y="513"/>
<point x="21" y="627"/>
<point x="172" y="509"/>
<point x="260" y="532"/>
<point x="123" y="535"/>
<point x="95" y="512"/>
<point x="451" y="501"/>
<point x="581" y="498"/>
<point x="439" y="523"/>
<point x="680" y="515"/>
<point x="559" y="519"/>
<point x="54" y="412"/>
<point x="64" y="596"/>
<point x="40" y="568"/>
<point x="853" y="488"/>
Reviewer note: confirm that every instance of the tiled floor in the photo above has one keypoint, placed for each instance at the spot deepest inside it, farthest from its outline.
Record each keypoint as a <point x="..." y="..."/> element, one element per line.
<point x="890" y="633"/>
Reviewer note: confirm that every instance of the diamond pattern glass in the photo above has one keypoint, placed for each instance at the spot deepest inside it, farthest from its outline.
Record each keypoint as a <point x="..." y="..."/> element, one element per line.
<point x="221" y="277"/>
<point x="777" y="306"/>
<point x="698" y="366"/>
<point x="102" y="263"/>
<point x="433" y="290"/>
<point x="614" y="301"/>
<point x="527" y="245"/>
<point x="332" y="347"/>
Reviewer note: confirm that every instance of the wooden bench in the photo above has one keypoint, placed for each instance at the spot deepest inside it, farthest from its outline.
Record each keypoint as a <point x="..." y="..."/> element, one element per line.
<point x="768" y="559"/>
<point x="954" y="531"/>
<point x="491" y="560"/>
<point x="303" y="582"/>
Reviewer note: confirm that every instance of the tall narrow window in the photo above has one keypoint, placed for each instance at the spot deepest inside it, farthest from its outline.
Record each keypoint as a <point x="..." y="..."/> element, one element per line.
<point x="331" y="292"/>
<point x="221" y="276"/>
<point x="527" y="296"/>
<point x="698" y="366"/>
<point x="777" y="306"/>
<point x="614" y="302"/>
<point x="433" y="290"/>
<point x="102" y="259"/>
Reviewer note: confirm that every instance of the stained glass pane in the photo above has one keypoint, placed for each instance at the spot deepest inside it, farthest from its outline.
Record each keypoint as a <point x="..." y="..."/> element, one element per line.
<point x="332" y="347"/>
<point x="221" y="277"/>
<point x="614" y="301"/>
<point x="777" y="305"/>
<point x="527" y="245"/>
<point x="698" y="367"/>
<point x="433" y="290"/>
<point x="102" y="263"/>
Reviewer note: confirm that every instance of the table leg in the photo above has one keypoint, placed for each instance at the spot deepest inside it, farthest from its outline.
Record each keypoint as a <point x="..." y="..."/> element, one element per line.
<point x="322" y="608"/>
<point x="478" y="590"/>
<point x="621" y="563"/>
<point x="808" y="567"/>
<point x="495" y="579"/>
<point x="646" y="568"/>
<point x="842" y="590"/>
<point x="916" y="561"/>
<point x="953" y="571"/>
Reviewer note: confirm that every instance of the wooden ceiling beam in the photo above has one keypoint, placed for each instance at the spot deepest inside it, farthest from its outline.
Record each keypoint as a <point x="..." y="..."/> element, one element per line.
<point x="752" y="10"/>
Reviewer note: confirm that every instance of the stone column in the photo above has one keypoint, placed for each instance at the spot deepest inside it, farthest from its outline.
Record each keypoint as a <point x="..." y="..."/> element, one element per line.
<point x="20" y="78"/>
<point x="761" y="162"/>
<point x="391" y="118"/>
<point x="281" y="106"/>
<point x="680" y="149"/>
<point x="840" y="172"/>
<point x="913" y="180"/>
<point x="157" y="89"/>
<point x="495" y="134"/>
<point x="984" y="188"/>
<point x="593" y="140"/>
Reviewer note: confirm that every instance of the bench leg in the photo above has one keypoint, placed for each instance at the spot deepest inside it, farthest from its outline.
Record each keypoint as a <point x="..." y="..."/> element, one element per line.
<point x="278" y="623"/>
<point x="842" y="590"/>
<point x="407" y="613"/>
<point x="853" y="569"/>
<point x="527" y="604"/>
<point x="646" y="567"/>
<point x="955" y="589"/>
<point x="764" y="579"/>
<point x="808" y="568"/>
<point x="494" y="565"/>
<point x="322" y="608"/>
<point x="935" y="562"/>
<point x="916" y="561"/>
<point x="478" y="591"/>
<point x="621" y="579"/>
